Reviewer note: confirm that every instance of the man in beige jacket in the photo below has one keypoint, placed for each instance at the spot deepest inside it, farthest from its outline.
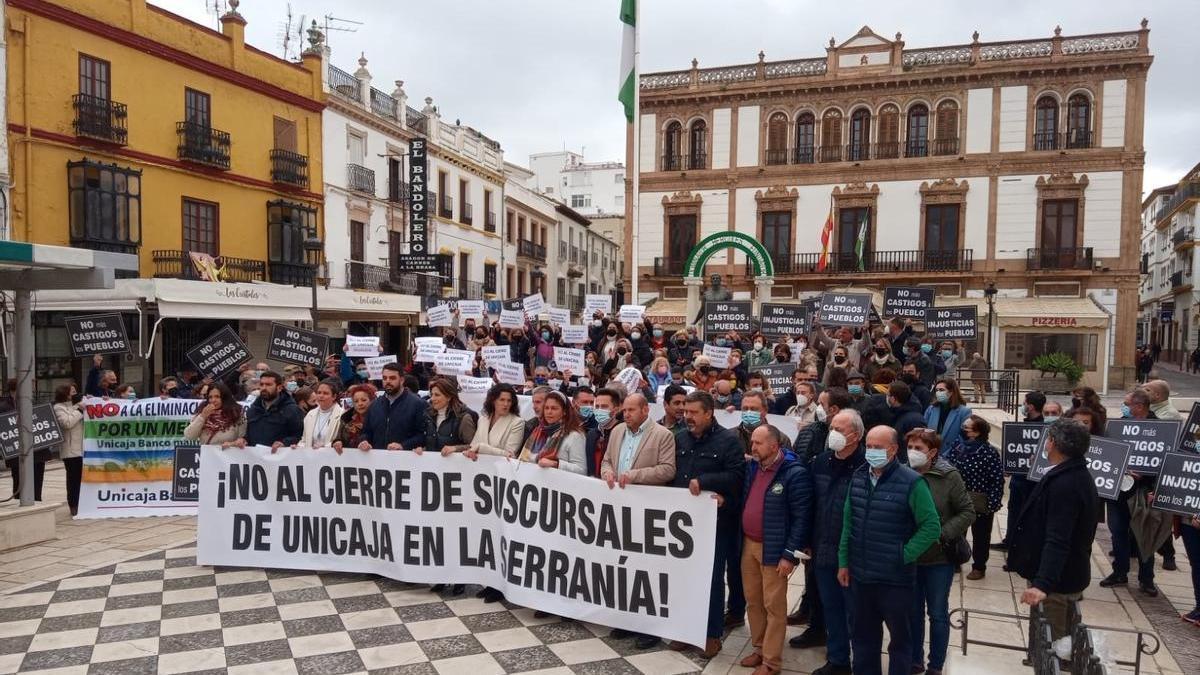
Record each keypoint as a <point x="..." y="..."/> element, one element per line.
<point x="640" y="452"/>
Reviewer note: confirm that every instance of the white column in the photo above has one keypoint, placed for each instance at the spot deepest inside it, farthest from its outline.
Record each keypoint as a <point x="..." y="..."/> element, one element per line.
<point x="762" y="292"/>
<point x="693" y="298"/>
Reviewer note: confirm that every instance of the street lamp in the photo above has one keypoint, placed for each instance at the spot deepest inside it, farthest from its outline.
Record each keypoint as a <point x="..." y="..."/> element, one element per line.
<point x="990" y="294"/>
<point x="312" y="253"/>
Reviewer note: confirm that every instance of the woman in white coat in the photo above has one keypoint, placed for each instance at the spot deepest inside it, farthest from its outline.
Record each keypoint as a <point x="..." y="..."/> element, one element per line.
<point x="68" y="410"/>
<point x="323" y="422"/>
<point x="500" y="430"/>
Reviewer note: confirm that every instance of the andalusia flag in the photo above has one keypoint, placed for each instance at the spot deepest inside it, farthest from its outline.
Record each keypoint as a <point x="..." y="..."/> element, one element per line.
<point x="826" y="235"/>
<point x="861" y="244"/>
<point x="628" y="57"/>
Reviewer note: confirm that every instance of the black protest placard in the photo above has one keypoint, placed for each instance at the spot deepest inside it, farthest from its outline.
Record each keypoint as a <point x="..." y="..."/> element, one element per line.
<point x="45" y="431"/>
<point x="298" y="346"/>
<point x="1148" y="441"/>
<point x="1106" y="461"/>
<point x="1178" y="486"/>
<point x="1019" y="442"/>
<point x="10" y="431"/>
<point x="219" y="353"/>
<point x="779" y="376"/>
<point x="783" y="320"/>
<point x="1189" y="436"/>
<point x="185" y="473"/>
<point x="906" y="302"/>
<point x="845" y="309"/>
<point x="952" y="323"/>
<point x="97" y="334"/>
<point x="722" y="317"/>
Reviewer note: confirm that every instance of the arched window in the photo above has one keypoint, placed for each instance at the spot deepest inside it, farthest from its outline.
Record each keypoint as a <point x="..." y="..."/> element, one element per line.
<point x="946" y="142"/>
<point x="888" y="144"/>
<point x="1079" y="121"/>
<point x="916" y="143"/>
<point x="806" y="136"/>
<point x="831" y="136"/>
<point x="860" y="135"/>
<point x="698" y="143"/>
<point x="1045" y="124"/>
<point x="673" y="147"/>
<point x="777" y="139"/>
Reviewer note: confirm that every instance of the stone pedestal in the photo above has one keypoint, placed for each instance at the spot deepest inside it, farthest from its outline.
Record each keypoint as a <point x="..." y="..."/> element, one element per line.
<point x="25" y="525"/>
<point x="762" y="292"/>
<point x="693" y="299"/>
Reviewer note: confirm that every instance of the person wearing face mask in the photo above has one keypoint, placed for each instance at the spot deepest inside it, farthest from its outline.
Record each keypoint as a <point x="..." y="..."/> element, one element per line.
<point x="680" y="351"/>
<point x="949" y="411"/>
<point x="907" y="413"/>
<point x="935" y="572"/>
<point x="605" y="413"/>
<point x="889" y="520"/>
<point x="607" y="349"/>
<point x="982" y="471"/>
<point x="658" y="337"/>
<point x="361" y="374"/>
<point x="898" y="333"/>
<point x="736" y="373"/>
<point x="787" y="400"/>
<point x="760" y="353"/>
<point x="753" y="415"/>
<point x="805" y="409"/>
<point x="705" y="376"/>
<point x="856" y="387"/>
<point x="951" y="358"/>
<point x="926" y="370"/>
<point x="839" y="361"/>
<point x="639" y="343"/>
<point x="881" y="357"/>
<point x="304" y="397"/>
<point x="782" y="353"/>
<point x="812" y="439"/>
<point x="658" y="374"/>
<point x="726" y="396"/>
<point x="543" y="339"/>
<point x="585" y="404"/>
<point x="920" y="393"/>
<point x="127" y="392"/>
<point x="842" y="337"/>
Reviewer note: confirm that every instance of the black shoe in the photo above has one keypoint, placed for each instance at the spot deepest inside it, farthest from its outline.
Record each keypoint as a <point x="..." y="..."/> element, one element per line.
<point x="1148" y="588"/>
<point x="437" y="588"/>
<point x="735" y="620"/>
<point x="801" y="616"/>
<point x="997" y="547"/>
<point x="457" y="589"/>
<point x="621" y="633"/>
<point x="808" y="639"/>
<point x="830" y="669"/>
<point x="1169" y="564"/>
<point x="491" y="595"/>
<point x="539" y="614"/>
<point x="646" y="642"/>
<point x="1114" y="579"/>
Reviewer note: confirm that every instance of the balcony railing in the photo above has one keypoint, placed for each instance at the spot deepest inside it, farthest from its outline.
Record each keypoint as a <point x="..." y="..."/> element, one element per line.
<point x="1077" y="138"/>
<point x="446" y="206"/>
<point x="416" y="120"/>
<point x="668" y="267"/>
<point x="100" y="118"/>
<point x="289" y="167"/>
<point x="916" y="148"/>
<point x="1045" y="140"/>
<point x="360" y="179"/>
<point x="464" y="289"/>
<point x="1188" y="191"/>
<point x="1071" y="139"/>
<point x="109" y="245"/>
<point x="296" y="274"/>
<point x="887" y="150"/>
<point x="367" y="277"/>
<point x="575" y="303"/>
<point x="382" y="104"/>
<point x="775" y="157"/>
<point x="574" y="253"/>
<point x="399" y="192"/>
<point x="697" y="161"/>
<point x="203" y="144"/>
<point x="489" y="222"/>
<point x="528" y="249"/>
<point x="1183" y="235"/>
<point x="174" y="264"/>
<point x="857" y="152"/>
<point x="672" y="162"/>
<point x="802" y="154"/>
<point x="1059" y="258"/>
<point x="954" y="260"/>
<point x="829" y="153"/>
<point x="466" y="214"/>
<point x="344" y="84"/>
<point x="945" y="146"/>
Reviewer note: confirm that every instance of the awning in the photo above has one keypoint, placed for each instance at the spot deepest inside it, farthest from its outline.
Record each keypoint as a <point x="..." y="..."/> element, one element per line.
<point x="671" y="313"/>
<point x="1038" y="313"/>
<point x="350" y="305"/>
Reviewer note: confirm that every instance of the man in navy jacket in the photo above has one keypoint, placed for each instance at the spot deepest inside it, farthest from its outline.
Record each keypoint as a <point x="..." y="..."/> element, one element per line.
<point x="396" y="420"/>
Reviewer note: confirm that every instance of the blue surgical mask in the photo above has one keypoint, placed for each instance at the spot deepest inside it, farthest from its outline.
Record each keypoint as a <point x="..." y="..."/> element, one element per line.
<point x="1051" y="418"/>
<point x="721" y="342"/>
<point x="855" y="389"/>
<point x="658" y="333"/>
<point x="362" y="373"/>
<point x="545" y="335"/>
<point x="292" y="386"/>
<point x="751" y="418"/>
<point x="586" y="410"/>
<point x="539" y="380"/>
<point x="946" y="353"/>
<point x="602" y="416"/>
<point x="876" y="457"/>
<point x="132" y="396"/>
<point x="1125" y="412"/>
<point x="927" y="348"/>
<point x="942" y="395"/>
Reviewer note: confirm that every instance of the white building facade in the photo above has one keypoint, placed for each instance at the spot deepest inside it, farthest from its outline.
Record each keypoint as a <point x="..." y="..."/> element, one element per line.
<point x="589" y="188"/>
<point x="1169" y="308"/>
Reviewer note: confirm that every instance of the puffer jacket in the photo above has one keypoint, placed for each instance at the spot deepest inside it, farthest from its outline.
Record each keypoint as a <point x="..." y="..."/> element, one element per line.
<point x="457" y="429"/>
<point x="787" y="510"/>
<point x="954" y="508"/>
<point x="810" y="441"/>
<point x="831" y="481"/>
<point x="281" y="422"/>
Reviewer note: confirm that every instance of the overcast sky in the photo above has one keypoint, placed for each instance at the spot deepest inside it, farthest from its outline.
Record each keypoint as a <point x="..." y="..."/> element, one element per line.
<point x="540" y="75"/>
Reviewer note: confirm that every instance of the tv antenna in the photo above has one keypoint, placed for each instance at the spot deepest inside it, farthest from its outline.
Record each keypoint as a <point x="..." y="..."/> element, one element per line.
<point x="333" y="23"/>
<point x="217" y="8"/>
<point x="285" y="34"/>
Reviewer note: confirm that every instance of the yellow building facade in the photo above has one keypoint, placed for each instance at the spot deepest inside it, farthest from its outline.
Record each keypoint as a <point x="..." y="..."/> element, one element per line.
<point x="135" y="130"/>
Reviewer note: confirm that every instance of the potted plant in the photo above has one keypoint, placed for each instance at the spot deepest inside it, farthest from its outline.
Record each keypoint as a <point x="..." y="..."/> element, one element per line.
<point x="1054" y="364"/>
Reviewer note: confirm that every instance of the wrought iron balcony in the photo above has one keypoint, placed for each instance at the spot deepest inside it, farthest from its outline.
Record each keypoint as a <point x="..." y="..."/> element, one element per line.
<point x="463" y="289"/>
<point x="954" y="260"/>
<point x="296" y="274"/>
<point x="887" y="150"/>
<point x="466" y="214"/>
<point x="100" y="118"/>
<point x="203" y="145"/>
<point x="1045" y="140"/>
<point x="668" y="267"/>
<point x="803" y="154"/>
<point x="416" y="120"/>
<point x="857" y="152"/>
<point x="399" y="192"/>
<point x="528" y="249"/>
<point x="575" y="303"/>
<point x="1077" y="138"/>
<point x="1177" y="280"/>
<point x="289" y="167"/>
<point x="367" y="277"/>
<point x="446" y="206"/>
<point x="945" y="146"/>
<point x="344" y="84"/>
<point x="917" y="147"/>
<point x="1182" y="237"/>
<point x="697" y="161"/>
<point x="1188" y="191"/>
<point x="174" y="264"/>
<point x="830" y="153"/>
<point x="489" y="222"/>
<point x="360" y="179"/>
<point x="383" y="104"/>
<point x="672" y="162"/>
<point x="1059" y="258"/>
<point x="775" y="157"/>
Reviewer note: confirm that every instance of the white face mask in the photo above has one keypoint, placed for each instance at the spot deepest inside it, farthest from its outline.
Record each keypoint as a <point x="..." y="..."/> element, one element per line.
<point x="917" y="459"/>
<point x="820" y="413"/>
<point x="802" y="400"/>
<point x="836" y="440"/>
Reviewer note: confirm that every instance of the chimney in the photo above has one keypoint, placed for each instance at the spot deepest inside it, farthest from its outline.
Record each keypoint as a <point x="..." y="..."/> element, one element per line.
<point x="233" y="26"/>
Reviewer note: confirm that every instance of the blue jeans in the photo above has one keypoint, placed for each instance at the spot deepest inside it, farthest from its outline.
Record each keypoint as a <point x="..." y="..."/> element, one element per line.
<point x="1124" y="547"/>
<point x="726" y="546"/>
<point x="1191" y="544"/>
<point x="932" y="594"/>
<point x="1019" y="488"/>
<point x="837" y="604"/>
<point x="874" y="606"/>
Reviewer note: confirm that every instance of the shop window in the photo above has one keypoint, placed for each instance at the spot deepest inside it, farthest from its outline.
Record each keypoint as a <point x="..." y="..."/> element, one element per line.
<point x="1021" y="348"/>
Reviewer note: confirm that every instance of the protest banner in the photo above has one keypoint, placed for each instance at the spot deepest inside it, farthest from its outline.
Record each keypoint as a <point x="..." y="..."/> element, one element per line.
<point x="845" y="309"/>
<point x="1178" y="487"/>
<point x="472" y="309"/>
<point x="717" y="356"/>
<point x="438" y="316"/>
<point x="597" y="303"/>
<point x="453" y="364"/>
<point x="722" y="317"/>
<point x="779" y="376"/>
<point x="783" y="320"/>
<point x="185" y="473"/>
<point x="219" y="353"/>
<point x="10" y="432"/>
<point x="512" y="318"/>
<point x="533" y="305"/>
<point x="1019" y="441"/>
<point x="97" y="334"/>
<point x="1149" y="441"/>
<point x="559" y="316"/>
<point x="631" y="313"/>
<point x="907" y="302"/>
<point x="952" y="323"/>
<point x="1106" y="461"/>
<point x="45" y="431"/>
<point x="575" y="335"/>
<point x="427" y="352"/>
<point x="362" y="345"/>
<point x="129" y="457"/>
<point x="474" y="385"/>
<point x="375" y="365"/>
<point x="548" y="540"/>
<point x="298" y="346"/>
<point x="509" y="372"/>
<point x="569" y="359"/>
<point x="1190" y="433"/>
<point x="493" y="354"/>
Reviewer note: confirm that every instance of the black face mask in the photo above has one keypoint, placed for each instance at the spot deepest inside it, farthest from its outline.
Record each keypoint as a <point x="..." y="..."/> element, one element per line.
<point x="909" y="378"/>
<point x="612" y="333"/>
<point x="621" y="351"/>
<point x="681" y="341"/>
<point x="1075" y="402"/>
<point x="880" y="351"/>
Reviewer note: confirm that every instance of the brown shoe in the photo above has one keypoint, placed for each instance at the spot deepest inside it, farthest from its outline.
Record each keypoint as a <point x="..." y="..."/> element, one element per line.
<point x="712" y="647"/>
<point x="752" y="661"/>
<point x="976" y="575"/>
<point x="677" y="646"/>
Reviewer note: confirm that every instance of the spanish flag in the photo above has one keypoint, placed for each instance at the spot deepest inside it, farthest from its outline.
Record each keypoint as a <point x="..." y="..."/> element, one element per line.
<point x="826" y="235"/>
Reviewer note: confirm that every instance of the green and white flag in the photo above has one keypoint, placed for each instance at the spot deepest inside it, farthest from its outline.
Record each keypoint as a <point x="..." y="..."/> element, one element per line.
<point x="628" y="57"/>
<point x="861" y="245"/>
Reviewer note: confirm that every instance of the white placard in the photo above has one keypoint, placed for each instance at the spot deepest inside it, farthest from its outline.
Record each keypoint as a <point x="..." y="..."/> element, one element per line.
<point x="566" y="358"/>
<point x="632" y="313"/>
<point x="630" y="377"/>
<point x="597" y="303"/>
<point x="362" y="345"/>
<point x="452" y="364"/>
<point x="559" y="315"/>
<point x="427" y="353"/>
<point x="509" y="372"/>
<point x="375" y="365"/>
<point x="533" y="304"/>
<point x="474" y="385"/>
<point x="471" y="309"/>
<point x="512" y="318"/>
<point x="429" y="340"/>
<point x="575" y="335"/>
<point x="719" y="356"/>
<point x="438" y="316"/>
<point x="493" y="354"/>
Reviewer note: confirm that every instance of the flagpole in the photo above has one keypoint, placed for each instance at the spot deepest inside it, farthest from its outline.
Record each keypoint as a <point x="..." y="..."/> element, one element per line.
<point x="636" y="164"/>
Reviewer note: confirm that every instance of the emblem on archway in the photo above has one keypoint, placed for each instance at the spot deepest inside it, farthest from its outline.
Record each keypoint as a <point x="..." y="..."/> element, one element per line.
<point x="757" y="254"/>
